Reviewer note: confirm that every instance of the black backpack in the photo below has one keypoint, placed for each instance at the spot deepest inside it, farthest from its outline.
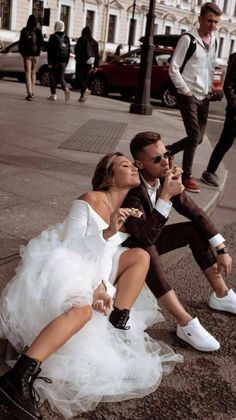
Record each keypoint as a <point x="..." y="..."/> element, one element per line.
<point x="62" y="49"/>
<point x="28" y="43"/>
<point x="90" y="50"/>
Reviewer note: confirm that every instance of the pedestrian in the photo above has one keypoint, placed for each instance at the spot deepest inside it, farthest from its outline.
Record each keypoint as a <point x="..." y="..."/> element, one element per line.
<point x="87" y="57"/>
<point x="58" y="57"/>
<point x="193" y="80"/>
<point x="52" y="305"/>
<point x="154" y="197"/>
<point x="30" y="45"/>
<point x="228" y="134"/>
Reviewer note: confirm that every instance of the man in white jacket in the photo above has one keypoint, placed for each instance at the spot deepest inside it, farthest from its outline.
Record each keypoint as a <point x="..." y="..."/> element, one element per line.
<point x="193" y="81"/>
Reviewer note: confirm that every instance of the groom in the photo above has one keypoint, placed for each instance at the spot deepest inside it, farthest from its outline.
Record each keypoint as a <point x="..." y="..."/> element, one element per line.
<point x="155" y="197"/>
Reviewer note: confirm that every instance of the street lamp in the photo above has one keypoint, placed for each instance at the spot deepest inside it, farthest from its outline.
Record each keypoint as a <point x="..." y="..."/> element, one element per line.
<point x="132" y="26"/>
<point x="141" y="103"/>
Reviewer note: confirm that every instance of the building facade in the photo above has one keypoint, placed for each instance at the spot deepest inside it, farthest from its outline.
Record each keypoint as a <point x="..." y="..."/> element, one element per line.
<point x="115" y="22"/>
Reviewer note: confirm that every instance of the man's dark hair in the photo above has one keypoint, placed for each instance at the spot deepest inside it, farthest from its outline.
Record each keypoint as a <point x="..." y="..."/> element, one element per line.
<point x="142" y="140"/>
<point x="210" y="7"/>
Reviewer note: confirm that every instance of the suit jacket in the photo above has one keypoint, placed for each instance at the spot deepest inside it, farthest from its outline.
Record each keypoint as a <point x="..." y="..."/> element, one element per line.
<point x="146" y="230"/>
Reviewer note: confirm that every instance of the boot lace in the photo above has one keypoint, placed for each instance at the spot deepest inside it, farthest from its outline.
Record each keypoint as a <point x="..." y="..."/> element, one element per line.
<point x="28" y="388"/>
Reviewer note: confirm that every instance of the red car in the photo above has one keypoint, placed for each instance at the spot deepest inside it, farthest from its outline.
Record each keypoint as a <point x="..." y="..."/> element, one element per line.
<point x="121" y="74"/>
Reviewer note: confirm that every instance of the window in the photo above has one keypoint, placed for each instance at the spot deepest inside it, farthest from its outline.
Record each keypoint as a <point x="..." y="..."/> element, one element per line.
<point x="182" y="31"/>
<point x="37" y="10"/>
<point x="167" y="30"/>
<point x="199" y="2"/>
<point x="5" y="7"/>
<point x="235" y="10"/>
<point x="220" y="47"/>
<point x="111" y="28"/>
<point x="90" y="16"/>
<point x="65" y="13"/>
<point x="133" y="58"/>
<point x="162" y="59"/>
<point x="232" y="43"/>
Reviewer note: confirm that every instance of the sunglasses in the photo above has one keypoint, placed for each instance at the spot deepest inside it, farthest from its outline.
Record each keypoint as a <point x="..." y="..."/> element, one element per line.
<point x="166" y="155"/>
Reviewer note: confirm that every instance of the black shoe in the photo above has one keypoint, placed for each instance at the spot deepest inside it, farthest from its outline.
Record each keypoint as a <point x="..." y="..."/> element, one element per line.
<point x="210" y="179"/>
<point x="29" y="97"/>
<point x="119" y="318"/>
<point x="16" y="389"/>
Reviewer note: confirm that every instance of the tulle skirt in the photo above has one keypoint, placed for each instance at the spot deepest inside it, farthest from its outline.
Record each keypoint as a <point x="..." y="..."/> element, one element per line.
<point x="99" y="363"/>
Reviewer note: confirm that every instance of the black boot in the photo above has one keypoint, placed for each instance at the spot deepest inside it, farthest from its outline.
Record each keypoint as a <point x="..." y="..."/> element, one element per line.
<point x="16" y="389"/>
<point x="119" y="318"/>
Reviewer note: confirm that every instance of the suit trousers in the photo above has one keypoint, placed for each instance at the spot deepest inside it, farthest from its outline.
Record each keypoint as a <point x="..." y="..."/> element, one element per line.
<point x="176" y="236"/>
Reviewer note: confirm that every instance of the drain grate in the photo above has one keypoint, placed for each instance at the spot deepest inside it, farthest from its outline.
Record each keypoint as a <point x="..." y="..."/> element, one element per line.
<point x="96" y="136"/>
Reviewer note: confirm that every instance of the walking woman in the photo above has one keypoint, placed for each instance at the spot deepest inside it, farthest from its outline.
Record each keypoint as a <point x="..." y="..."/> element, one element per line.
<point x="70" y="276"/>
<point x="30" y="45"/>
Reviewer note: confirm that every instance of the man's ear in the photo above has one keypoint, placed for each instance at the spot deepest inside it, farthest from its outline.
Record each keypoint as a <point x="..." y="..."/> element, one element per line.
<point x="138" y="164"/>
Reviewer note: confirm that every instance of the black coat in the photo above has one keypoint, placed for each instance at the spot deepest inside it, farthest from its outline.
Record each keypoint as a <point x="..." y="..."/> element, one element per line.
<point x="81" y="50"/>
<point x="53" y="45"/>
<point x="230" y="82"/>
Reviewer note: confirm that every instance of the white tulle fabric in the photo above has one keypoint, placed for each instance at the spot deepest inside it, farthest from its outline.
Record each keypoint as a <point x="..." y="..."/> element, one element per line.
<point x="60" y="268"/>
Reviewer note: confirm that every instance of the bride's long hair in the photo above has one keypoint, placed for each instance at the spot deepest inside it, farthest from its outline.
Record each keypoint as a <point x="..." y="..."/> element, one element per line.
<point x="102" y="177"/>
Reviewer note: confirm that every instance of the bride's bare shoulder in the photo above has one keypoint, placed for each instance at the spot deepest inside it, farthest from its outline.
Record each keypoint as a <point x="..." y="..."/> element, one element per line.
<point x="92" y="197"/>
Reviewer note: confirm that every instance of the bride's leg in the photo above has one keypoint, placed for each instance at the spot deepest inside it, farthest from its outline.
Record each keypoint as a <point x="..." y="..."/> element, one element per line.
<point x="55" y="334"/>
<point x="132" y="271"/>
<point x="16" y="393"/>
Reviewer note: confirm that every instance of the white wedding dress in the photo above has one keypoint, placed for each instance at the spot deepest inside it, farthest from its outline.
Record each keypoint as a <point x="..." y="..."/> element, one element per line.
<point x="60" y="268"/>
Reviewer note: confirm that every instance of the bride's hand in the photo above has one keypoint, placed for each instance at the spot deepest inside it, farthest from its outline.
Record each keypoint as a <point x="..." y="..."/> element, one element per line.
<point x="117" y="220"/>
<point x="102" y="302"/>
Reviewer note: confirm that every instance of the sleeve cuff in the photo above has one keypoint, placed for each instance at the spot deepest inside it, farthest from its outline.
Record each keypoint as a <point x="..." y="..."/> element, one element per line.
<point x="163" y="207"/>
<point x="216" y="240"/>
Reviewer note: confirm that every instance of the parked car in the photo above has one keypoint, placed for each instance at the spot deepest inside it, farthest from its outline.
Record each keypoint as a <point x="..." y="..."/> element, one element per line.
<point x="121" y="74"/>
<point x="11" y="64"/>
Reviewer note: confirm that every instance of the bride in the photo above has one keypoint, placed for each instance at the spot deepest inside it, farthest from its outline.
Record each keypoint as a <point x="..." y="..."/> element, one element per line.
<point x="53" y="310"/>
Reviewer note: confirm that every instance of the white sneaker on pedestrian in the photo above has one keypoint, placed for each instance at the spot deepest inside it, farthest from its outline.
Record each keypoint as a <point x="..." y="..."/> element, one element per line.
<point x="52" y="98"/>
<point x="83" y="98"/>
<point x="197" y="336"/>
<point x="67" y="94"/>
<point x="226" y="303"/>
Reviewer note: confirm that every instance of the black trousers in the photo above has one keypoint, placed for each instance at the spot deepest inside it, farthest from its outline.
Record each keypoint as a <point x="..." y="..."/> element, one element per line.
<point x="176" y="236"/>
<point x="225" y="142"/>
<point x="82" y="76"/>
<point x="194" y="114"/>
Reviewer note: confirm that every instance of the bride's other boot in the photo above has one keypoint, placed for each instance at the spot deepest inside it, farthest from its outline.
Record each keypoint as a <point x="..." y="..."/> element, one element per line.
<point x="119" y="318"/>
<point x="16" y="388"/>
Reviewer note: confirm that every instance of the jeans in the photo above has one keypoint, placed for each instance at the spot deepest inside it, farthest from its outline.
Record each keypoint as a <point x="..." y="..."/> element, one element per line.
<point x="194" y="114"/>
<point x="57" y="76"/>
<point x="30" y="66"/>
<point x="225" y="142"/>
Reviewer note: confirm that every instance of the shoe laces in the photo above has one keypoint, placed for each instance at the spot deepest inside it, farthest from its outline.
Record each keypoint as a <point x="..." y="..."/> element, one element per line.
<point x="28" y="388"/>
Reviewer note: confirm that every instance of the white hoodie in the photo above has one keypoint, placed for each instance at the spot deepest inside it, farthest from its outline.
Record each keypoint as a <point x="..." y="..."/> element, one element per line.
<point x="197" y="75"/>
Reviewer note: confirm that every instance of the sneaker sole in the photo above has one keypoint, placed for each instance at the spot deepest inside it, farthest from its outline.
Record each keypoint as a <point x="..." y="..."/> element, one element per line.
<point x="193" y="191"/>
<point x="7" y="401"/>
<point x="221" y="309"/>
<point x="208" y="183"/>
<point x="199" y="348"/>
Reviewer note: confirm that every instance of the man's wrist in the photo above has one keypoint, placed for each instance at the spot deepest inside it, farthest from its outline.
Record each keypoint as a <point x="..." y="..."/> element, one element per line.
<point x="221" y="251"/>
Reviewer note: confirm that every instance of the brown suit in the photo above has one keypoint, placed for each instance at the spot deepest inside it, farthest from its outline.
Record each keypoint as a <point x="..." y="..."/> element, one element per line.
<point x="150" y="233"/>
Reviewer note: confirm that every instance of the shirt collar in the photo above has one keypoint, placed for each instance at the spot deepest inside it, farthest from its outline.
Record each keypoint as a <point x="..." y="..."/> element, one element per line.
<point x="150" y="188"/>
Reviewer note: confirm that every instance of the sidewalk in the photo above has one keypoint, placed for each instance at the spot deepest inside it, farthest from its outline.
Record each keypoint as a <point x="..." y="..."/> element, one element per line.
<point x="39" y="180"/>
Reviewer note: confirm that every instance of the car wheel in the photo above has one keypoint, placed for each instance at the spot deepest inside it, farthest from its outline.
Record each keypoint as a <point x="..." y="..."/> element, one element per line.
<point x="44" y="76"/>
<point x="99" y="86"/>
<point x="168" y="97"/>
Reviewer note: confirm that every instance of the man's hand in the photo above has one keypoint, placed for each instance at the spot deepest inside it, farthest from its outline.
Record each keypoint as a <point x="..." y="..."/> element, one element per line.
<point x="171" y="187"/>
<point x="225" y="261"/>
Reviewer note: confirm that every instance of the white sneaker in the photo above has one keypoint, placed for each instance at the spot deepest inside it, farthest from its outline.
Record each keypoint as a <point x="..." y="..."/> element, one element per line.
<point x="67" y="94"/>
<point x="197" y="336"/>
<point x="226" y="303"/>
<point x="52" y="98"/>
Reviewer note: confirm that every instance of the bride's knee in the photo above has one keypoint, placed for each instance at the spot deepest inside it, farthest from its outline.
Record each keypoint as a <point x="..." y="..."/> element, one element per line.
<point x="79" y="314"/>
<point x="142" y="257"/>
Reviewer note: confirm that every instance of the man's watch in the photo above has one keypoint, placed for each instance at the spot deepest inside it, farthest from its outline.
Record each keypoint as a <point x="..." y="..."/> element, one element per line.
<point x="222" y="251"/>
